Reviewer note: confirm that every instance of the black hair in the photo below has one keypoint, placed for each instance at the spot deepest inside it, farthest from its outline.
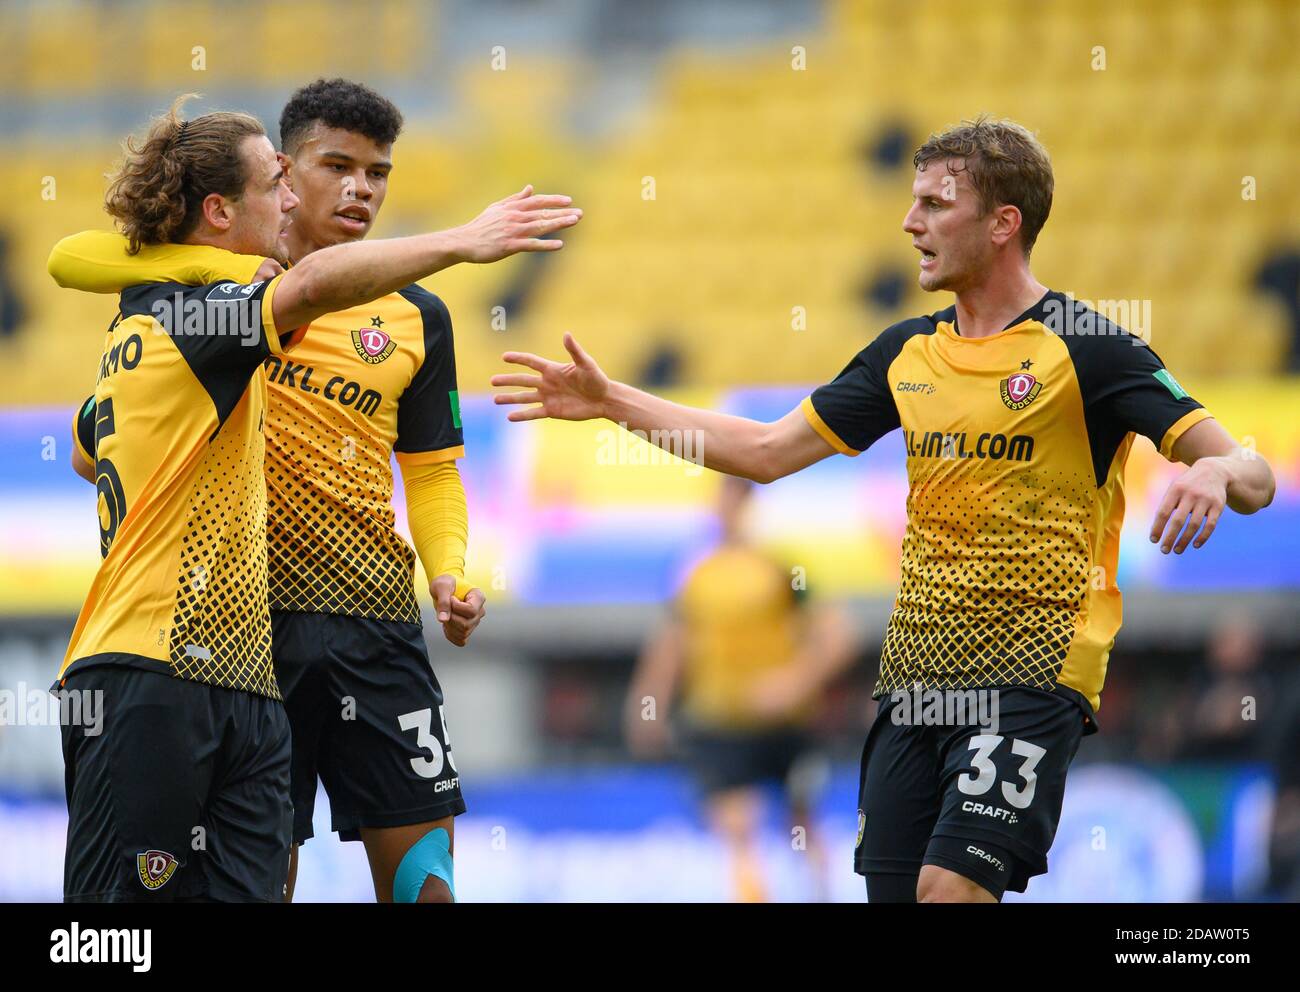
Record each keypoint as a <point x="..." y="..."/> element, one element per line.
<point x="338" y="103"/>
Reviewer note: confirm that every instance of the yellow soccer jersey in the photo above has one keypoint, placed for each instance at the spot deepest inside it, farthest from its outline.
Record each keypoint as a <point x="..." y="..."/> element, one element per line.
<point x="740" y="617"/>
<point x="364" y="383"/>
<point x="1015" y="446"/>
<point x="178" y="454"/>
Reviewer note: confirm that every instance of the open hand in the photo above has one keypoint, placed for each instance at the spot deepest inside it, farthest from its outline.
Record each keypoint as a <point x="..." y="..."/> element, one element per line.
<point x="573" y="391"/>
<point x="1193" y="502"/>
<point x="518" y="223"/>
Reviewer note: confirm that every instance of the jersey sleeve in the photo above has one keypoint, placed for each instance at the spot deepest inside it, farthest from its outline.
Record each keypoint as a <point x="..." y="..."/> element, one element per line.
<point x="428" y="411"/>
<point x="98" y="262"/>
<point x="223" y="330"/>
<point x="857" y="408"/>
<point x="1126" y="387"/>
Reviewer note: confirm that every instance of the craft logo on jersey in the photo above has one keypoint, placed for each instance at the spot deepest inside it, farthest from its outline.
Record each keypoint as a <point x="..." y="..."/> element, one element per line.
<point x="862" y="827"/>
<point x="155" y="868"/>
<point x="373" y="345"/>
<point x="1019" y="390"/>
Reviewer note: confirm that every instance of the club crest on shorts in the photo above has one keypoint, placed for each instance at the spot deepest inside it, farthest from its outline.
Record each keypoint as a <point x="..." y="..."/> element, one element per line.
<point x="155" y="868"/>
<point x="1019" y="390"/>
<point x="372" y="344"/>
<point x="862" y="828"/>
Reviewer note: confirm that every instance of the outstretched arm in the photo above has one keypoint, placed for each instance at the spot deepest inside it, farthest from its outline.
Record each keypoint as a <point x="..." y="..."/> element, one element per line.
<point x="331" y="279"/>
<point x="1221" y="473"/>
<point x="347" y="275"/>
<point x="579" y="390"/>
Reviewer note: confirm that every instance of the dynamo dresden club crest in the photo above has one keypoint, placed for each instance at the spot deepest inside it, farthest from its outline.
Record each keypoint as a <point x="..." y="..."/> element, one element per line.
<point x="372" y="344"/>
<point x="155" y="868"/>
<point x="1018" y="390"/>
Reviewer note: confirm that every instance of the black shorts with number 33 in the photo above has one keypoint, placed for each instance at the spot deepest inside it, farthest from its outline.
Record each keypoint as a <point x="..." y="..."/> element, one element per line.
<point x="366" y="713"/>
<point x="981" y="800"/>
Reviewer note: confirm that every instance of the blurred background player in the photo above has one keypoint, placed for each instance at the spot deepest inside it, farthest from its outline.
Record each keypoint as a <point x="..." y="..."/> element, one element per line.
<point x="744" y="659"/>
<point x="364" y="705"/>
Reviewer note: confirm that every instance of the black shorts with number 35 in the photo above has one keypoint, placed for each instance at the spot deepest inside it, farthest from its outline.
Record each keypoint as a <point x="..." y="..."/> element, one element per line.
<point x="366" y="714"/>
<point x="982" y="800"/>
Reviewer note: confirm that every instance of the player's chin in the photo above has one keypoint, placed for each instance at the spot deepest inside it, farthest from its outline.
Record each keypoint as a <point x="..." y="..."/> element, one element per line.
<point x="932" y="282"/>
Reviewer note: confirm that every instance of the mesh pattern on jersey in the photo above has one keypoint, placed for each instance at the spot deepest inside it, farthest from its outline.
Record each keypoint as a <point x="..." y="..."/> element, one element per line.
<point x="332" y="542"/>
<point x="221" y="627"/>
<point x="993" y="581"/>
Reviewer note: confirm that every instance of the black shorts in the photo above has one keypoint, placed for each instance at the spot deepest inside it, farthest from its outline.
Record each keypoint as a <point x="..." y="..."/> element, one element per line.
<point x="180" y="792"/>
<point x="367" y="717"/>
<point x="983" y="802"/>
<point x="721" y="760"/>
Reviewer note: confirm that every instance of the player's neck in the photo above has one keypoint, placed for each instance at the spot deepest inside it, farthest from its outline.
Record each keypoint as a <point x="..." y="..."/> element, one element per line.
<point x="300" y="244"/>
<point x="211" y="238"/>
<point x="987" y="308"/>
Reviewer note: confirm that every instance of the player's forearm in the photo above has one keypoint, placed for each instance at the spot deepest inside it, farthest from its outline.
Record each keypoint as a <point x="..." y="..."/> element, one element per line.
<point x="725" y="443"/>
<point x="439" y="518"/>
<point x="348" y="275"/>
<point x="1250" y="480"/>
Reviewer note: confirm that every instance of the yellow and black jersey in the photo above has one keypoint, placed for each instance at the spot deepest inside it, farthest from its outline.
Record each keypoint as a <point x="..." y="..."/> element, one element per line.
<point x="1015" y="446"/>
<point x="740" y="619"/>
<point x="175" y="435"/>
<point x="366" y="382"/>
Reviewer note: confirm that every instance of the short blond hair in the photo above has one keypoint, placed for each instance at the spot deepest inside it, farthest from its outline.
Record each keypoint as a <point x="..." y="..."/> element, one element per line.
<point x="1006" y="165"/>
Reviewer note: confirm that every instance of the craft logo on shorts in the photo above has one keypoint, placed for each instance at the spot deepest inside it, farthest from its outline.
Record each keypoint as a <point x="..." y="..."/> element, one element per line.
<point x="862" y="828"/>
<point x="372" y="344"/>
<point x="1019" y="390"/>
<point x="155" y="867"/>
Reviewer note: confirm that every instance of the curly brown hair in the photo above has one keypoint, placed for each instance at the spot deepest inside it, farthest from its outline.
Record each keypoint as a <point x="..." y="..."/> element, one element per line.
<point x="157" y="195"/>
<point x="1006" y="165"/>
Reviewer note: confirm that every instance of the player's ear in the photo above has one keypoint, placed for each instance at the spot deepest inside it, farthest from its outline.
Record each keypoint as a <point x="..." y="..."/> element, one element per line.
<point x="217" y="212"/>
<point x="286" y="163"/>
<point x="1006" y="222"/>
